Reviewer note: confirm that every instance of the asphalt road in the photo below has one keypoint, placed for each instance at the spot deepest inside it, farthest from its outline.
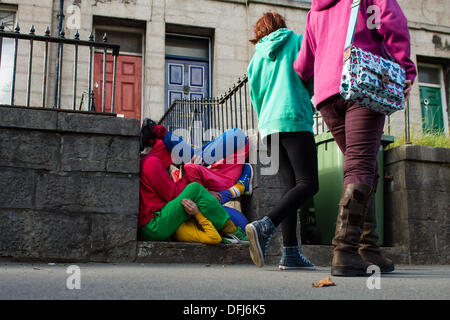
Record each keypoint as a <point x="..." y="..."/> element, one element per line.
<point x="215" y="282"/>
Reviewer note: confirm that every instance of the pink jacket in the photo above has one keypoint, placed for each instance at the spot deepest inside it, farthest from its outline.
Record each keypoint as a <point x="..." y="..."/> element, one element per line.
<point x="321" y="53"/>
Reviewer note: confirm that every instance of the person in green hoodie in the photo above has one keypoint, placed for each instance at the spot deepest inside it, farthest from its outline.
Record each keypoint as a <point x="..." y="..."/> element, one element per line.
<point x="285" y="118"/>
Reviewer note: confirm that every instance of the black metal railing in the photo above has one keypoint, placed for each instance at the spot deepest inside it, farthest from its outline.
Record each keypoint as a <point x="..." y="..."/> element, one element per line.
<point x="61" y="40"/>
<point x="204" y="119"/>
<point x="232" y="110"/>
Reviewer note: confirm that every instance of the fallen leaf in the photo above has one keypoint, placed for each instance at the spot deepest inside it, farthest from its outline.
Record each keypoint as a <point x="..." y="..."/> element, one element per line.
<point x="207" y="265"/>
<point x="326" y="282"/>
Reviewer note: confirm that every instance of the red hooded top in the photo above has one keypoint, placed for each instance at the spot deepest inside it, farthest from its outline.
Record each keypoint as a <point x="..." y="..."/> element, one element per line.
<point x="156" y="187"/>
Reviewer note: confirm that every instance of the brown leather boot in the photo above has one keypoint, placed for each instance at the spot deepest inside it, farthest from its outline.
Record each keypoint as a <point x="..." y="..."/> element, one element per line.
<point x="369" y="249"/>
<point x="346" y="259"/>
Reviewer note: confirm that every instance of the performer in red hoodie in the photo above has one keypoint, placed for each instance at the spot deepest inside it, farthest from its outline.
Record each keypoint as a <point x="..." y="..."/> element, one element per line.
<point x="356" y="130"/>
<point x="161" y="207"/>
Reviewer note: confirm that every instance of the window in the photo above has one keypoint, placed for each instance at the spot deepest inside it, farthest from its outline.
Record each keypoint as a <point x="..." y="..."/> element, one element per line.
<point x="8" y="18"/>
<point x="130" y="42"/>
<point x="6" y="56"/>
<point x="187" y="47"/>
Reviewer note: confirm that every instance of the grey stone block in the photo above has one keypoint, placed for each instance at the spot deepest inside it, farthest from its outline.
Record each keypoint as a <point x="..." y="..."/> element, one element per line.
<point x="424" y="236"/>
<point x="45" y="236"/>
<point x="12" y="232"/>
<point x="417" y="153"/>
<point x="98" y="124"/>
<point x="184" y="252"/>
<point x="28" y="118"/>
<point x="58" y="236"/>
<point x="426" y="205"/>
<point x="114" y="237"/>
<point x="84" y="152"/>
<point x="396" y="174"/>
<point x="124" y="155"/>
<point x="17" y="188"/>
<point x="426" y="176"/>
<point x="88" y="193"/>
<point x="100" y="153"/>
<point x="29" y="149"/>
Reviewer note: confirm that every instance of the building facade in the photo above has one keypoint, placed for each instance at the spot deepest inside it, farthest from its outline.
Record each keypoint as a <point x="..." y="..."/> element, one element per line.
<point x="174" y="49"/>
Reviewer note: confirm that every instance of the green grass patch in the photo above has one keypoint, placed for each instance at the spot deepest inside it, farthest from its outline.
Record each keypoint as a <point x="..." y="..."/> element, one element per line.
<point x="429" y="140"/>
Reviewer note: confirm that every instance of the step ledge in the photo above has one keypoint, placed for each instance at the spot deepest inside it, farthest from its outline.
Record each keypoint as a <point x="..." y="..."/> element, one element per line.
<point x="189" y="252"/>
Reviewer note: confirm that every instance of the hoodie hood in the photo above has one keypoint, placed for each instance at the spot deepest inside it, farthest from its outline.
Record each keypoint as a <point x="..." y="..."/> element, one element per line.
<point x="319" y="5"/>
<point x="269" y="45"/>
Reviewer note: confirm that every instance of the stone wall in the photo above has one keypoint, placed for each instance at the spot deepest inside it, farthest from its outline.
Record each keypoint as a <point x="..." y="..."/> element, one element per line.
<point x="417" y="199"/>
<point x="69" y="185"/>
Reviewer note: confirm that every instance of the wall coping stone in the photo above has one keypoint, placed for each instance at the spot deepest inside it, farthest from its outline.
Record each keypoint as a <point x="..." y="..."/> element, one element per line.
<point x="60" y="120"/>
<point x="417" y="153"/>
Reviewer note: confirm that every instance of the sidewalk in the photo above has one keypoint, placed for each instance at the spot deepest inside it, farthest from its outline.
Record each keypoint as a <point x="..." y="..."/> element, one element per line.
<point x="214" y="282"/>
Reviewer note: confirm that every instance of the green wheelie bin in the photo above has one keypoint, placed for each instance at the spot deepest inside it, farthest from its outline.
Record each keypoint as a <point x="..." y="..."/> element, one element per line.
<point x="318" y="215"/>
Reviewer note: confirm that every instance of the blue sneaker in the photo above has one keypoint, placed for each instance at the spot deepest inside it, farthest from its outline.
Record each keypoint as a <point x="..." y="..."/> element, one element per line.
<point x="259" y="233"/>
<point x="246" y="178"/>
<point x="293" y="259"/>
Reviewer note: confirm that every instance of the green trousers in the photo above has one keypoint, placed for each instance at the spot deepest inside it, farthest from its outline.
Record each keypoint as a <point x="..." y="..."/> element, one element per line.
<point x="172" y="215"/>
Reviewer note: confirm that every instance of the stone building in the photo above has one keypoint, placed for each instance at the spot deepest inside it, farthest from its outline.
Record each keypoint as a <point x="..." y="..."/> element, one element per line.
<point x="195" y="48"/>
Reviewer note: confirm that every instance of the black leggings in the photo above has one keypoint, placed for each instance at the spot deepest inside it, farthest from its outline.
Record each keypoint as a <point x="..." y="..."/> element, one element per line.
<point x="298" y="175"/>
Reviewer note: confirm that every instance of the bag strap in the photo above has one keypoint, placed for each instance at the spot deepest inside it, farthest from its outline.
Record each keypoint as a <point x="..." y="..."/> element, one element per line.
<point x="352" y="23"/>
<point x="352" y="27"/>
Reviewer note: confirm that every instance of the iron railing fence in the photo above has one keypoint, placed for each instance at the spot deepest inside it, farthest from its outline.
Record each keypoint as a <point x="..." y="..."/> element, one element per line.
<point x="200" y="120"/>
<point x="203" y="119"/>
<point x="61" y="40"/>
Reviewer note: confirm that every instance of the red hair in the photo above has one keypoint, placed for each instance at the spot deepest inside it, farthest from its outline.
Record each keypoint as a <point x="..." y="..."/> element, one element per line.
<point x="268" y="23"/>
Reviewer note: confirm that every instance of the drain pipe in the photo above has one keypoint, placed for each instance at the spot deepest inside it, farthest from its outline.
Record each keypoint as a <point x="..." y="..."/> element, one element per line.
<point x="59" y="53"/>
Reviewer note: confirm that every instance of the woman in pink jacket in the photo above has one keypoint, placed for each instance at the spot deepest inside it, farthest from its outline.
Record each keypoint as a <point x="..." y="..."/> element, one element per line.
<point x="356" y="130"/>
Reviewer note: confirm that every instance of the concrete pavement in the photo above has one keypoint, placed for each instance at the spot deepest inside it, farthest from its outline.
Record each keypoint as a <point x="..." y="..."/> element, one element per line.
<point x="214" y="282"/>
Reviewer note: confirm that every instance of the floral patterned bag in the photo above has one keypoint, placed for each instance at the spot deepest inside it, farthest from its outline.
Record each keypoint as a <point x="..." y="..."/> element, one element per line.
<point x="369" y="80"/>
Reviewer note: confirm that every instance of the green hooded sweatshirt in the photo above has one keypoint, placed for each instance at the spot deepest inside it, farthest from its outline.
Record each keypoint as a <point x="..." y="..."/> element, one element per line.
<point x="278" y="95"/>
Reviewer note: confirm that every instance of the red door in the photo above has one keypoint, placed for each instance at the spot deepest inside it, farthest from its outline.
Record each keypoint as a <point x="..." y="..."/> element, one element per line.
<point x="128" y="84"/>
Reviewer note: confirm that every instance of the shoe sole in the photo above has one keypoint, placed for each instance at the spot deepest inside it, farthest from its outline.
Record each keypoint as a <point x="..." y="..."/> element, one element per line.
<point x="387" y="269"/>
<point x="254" y="247"/>
<point x="348" y="272"/>
<point x="384" y="269"/>
<point x="296" y="268"/>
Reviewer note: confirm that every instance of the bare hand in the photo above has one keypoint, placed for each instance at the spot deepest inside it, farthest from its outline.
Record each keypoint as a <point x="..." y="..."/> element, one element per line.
<point x="180" y="172"/>
<point x="190" y="207"/>
<point x="407" y="90"/>
<point x="216" y="195"/>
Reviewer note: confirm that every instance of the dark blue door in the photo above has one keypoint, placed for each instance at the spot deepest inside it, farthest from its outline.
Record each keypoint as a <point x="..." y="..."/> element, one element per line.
<point x="186" y="79"/>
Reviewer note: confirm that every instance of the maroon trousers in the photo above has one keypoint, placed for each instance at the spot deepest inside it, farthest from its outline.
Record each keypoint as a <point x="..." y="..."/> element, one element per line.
<point x="357" y="131"/>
